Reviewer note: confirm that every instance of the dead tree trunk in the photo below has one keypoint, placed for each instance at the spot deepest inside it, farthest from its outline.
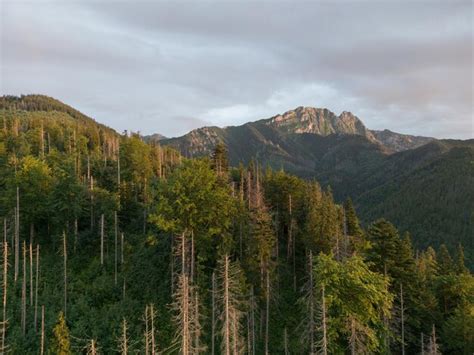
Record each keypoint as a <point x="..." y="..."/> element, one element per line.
<point x="152" y="330"/>
<point x="402" y="311"/>
<point x="213" y="319"/>
<point x="267" y="312"/>
<point x="37" y="284"/>
<point x="42" y="331"/>
<point x="102" y="239"/>
<point x="76" y="232"/>
<point x="285" y="341"/>
<point x="324" y="322"/>
<point x="116" y="248"/>
<point x="23" y="293"/>
<point x="147" y="333"/>
<point x="5" y="289"/>
<point x="65" y="273"/>
<point x="31" y="275"/>
<point x="123" y="346"/>
<point x="226" y="307"/>
<point x="311" y="304"/>
<point x="17" y="233"/>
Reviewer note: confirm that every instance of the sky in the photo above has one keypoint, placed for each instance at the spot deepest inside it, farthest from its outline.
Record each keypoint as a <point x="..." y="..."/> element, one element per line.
<point x="171" y="66"/>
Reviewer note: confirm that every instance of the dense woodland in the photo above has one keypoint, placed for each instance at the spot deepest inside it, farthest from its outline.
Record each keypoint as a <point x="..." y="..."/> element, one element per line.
<point x="111" y="245"/>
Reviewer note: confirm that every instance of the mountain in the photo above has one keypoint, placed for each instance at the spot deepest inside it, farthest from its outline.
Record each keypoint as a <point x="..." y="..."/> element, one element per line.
<point x="428" y="191"/>
<point x="296" y="140"/>
<point x="156" y="137"/>
<point x="399" y="142"/>
<point x="423" y="185"/>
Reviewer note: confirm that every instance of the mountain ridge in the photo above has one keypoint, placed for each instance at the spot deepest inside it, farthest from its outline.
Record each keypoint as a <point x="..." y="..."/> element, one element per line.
<point x="310" y="120"/>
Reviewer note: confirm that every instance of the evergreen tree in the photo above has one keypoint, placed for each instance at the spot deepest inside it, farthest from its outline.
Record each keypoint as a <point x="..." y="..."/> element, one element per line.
<point x="219" y="161"/>
<point x="60" y="344"/>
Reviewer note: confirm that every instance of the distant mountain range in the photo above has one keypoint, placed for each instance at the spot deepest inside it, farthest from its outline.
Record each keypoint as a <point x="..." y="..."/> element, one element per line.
<point x="294" y="140"/>
<point x="423" y="185"/>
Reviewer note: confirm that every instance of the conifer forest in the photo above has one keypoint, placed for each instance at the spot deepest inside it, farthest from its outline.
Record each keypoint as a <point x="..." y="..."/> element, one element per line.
<point x="111" y="244"/>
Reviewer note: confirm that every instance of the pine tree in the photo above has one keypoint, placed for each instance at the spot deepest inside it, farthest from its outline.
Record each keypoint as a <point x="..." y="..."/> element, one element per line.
<point x="61" y="344"/>
<point x="445" y="263"/>
<point x="459" y="266"/>
<point x="219" y="161"/>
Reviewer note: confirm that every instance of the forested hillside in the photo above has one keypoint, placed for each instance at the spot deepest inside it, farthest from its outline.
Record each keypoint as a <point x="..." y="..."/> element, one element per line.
<point x="422" y="185"/>
<point x="112" y="245"/>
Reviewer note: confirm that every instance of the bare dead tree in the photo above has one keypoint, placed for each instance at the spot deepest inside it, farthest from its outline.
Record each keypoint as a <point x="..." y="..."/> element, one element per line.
<point x="123" y="340"/>
<point x="31" y="275"/>
<point x="17" y="233"/>
<point x="324" y="348"/>
<point x="267" y="312"/>
<point x="91" y="348"/>
<point x="42" y="331"/>
<point x="37" y="285"/>
<point x="285" y="341"/>
<point x="402" y="313"/>
<point x="5" y="290"/>
<point x="213" y="317"/>
<point x="65" y="272"/>
<point x="102" y="239"/>
<point x="23" y="293"/>
<point x="116" y="247"/>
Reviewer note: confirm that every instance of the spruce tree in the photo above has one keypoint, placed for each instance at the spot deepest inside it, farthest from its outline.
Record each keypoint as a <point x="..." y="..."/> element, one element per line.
<point x="61" y="343"/>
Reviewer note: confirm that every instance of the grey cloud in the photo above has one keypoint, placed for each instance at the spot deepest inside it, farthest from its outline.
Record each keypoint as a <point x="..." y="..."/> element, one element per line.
<point x="169" y="67"/>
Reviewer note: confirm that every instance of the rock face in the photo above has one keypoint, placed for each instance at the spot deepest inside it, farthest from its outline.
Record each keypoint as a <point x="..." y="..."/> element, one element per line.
<point x="287" y="135"/>
<point x="319" y="121"/>
<point x="154" y="138"/>
<point x="400" y="142"/>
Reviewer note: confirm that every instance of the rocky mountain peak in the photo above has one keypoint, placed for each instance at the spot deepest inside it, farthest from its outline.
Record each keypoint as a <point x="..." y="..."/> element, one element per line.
<point x="319" y="121"/>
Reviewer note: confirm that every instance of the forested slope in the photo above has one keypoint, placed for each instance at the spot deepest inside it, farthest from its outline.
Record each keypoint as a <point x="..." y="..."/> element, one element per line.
<point x="112" y="245"/>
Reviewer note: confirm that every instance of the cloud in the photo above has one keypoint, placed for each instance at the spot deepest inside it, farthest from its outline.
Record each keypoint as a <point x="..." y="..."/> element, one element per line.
<point x="170" y="66"/>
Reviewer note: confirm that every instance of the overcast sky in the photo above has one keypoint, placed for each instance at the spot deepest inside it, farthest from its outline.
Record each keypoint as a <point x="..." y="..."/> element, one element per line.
<point x="169" y="67"/>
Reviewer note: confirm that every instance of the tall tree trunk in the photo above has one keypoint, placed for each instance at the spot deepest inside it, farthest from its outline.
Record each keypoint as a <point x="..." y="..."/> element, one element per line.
<point x="31" y="275"/>
<point x="118" y="170"/>
<point x="115" y="247"/>
<point x="65" y="273"/>
<point x="17" y="233"/>
<point x="226" y="307"/>
<point x="252" y="318"/>
<point x="23" y="293"/>
<point x="37" y="284"/>
<point x="311" y="305"/>
<point x="402" y="311"/>
<point x="192" y="256"/>
<point x="76" y="232"/>
<point x="147" y="332"/>
<point x="5" y="289"/>
<point x="92" y="201"/>
<point x="102" y="239"/>
<point x="213" y="319"/>
<point x="324" y="322"/>
<point x="42" y="331"/>
<point x="267" y="312"/>
<point x="121" y="248"/>
<point x="152" y="334"/>
<point x="124" y="339"/>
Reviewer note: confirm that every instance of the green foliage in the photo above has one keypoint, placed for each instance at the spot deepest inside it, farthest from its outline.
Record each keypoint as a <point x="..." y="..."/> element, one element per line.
<point x="60" y="344"/>
<point x="354" y="295"/>
<point x="70" y="169"/>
